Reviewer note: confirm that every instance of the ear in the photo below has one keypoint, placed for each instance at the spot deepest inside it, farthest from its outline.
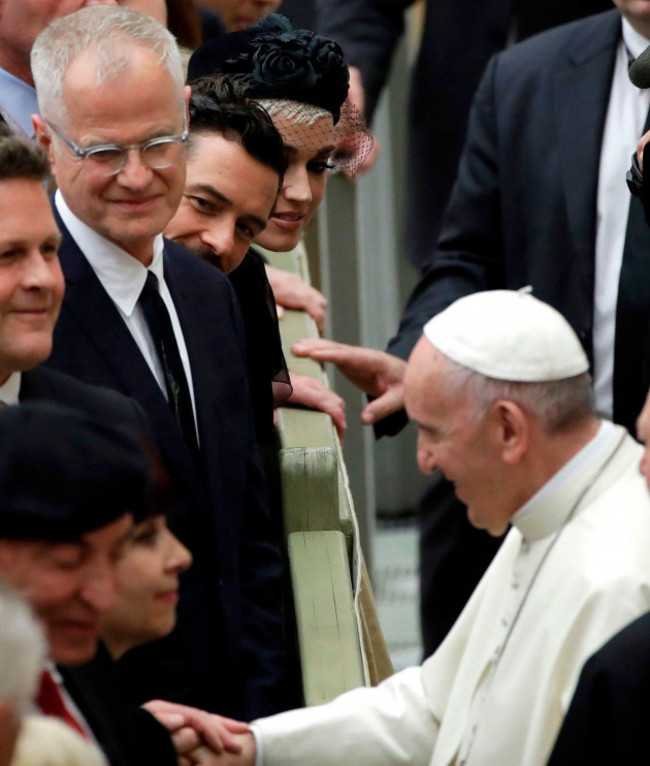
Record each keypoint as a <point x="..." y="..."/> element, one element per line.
<point x="512" y="430"/>
<point x="43" y="136"/>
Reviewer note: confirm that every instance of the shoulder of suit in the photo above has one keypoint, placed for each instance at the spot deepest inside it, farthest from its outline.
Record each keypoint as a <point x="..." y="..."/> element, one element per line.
<point x="540" y="50"/>
<point x="180" y="257"/>
<point x="63" y="389"/>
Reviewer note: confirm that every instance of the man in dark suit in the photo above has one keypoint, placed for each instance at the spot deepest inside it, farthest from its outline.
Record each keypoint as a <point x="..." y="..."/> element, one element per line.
<point x="541" y="200"/>
<point x="146" y="317"/>
<point x="31" y="291"/>
<point x="458" y="39"/>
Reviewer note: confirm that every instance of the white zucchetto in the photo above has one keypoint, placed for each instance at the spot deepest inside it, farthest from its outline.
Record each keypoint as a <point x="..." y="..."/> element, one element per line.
<point x="508" y="335"/>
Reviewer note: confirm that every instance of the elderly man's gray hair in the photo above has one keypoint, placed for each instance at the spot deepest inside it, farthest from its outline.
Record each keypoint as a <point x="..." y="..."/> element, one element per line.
<point x="22" y="650"/>
<point x="557" y="404"/>
<point x="103" y="30"/>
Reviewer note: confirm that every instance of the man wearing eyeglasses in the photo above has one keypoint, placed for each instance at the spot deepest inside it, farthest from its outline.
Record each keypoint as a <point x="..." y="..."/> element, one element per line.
<point x="145" y="316"/>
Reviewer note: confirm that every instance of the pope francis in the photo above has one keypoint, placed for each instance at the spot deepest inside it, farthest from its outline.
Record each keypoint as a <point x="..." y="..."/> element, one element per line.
<point x="499" y="390"/>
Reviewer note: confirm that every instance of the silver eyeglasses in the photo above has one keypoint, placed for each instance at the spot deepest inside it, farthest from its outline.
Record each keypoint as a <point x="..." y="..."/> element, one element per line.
<point x="110" y="159"/>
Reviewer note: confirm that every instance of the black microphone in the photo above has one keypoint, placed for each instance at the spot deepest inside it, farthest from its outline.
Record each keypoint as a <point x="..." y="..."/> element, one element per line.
<point x="639" y="71"/>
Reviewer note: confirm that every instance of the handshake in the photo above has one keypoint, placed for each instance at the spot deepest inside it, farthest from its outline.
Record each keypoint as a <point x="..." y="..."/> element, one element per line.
<point x="205" y="739"/>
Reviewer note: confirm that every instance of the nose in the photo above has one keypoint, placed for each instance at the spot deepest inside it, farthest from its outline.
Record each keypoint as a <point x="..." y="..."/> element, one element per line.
<point x="219" y="236"/>
<point x="135" y="175"/>
<point x="426" y="457"/>
<point x="178" y="558"/>
<point x="296" y="185"/>
<point x="40" y="274"/>
<point x="100" y="586"/>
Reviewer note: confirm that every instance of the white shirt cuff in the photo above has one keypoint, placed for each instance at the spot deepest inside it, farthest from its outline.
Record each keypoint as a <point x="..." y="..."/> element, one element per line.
<point x="259" y="749"/>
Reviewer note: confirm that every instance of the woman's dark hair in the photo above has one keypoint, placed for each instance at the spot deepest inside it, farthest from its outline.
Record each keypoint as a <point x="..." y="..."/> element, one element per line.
<point x="218" y="105"/>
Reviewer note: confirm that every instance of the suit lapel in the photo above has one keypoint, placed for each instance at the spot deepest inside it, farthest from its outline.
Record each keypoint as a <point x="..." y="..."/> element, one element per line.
<point x="208" y="379"/>
<point x="581" y="94"/>
<point x="93" y="308"/>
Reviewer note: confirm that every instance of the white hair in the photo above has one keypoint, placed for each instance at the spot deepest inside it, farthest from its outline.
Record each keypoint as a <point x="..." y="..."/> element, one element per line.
<point x="106" y="31"/>
<point x="556" y="404"/>
<point x="22" y="650"/>
<point x="46" y="741"/>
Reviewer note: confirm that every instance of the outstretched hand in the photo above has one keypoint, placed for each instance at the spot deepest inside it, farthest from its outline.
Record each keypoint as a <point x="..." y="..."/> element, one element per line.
<point x="292" y="292"/>
<point x="191" y="728"/>
<point x="376" y="373"/>
<point x="311" y="393"/>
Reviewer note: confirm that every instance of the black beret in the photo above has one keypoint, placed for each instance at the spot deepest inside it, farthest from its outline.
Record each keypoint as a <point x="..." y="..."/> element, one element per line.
<point x="277" y="61"/>
<point x="64" y="473"/>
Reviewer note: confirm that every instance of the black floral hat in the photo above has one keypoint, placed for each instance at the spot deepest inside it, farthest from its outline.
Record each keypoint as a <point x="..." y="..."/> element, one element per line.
<point x="277" y="61"/>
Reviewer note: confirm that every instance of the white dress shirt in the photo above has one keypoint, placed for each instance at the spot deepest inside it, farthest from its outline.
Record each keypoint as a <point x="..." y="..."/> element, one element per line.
<point x="123" y="277"/>
<point x="626" y="115"/>
<point x="10" y="389"/>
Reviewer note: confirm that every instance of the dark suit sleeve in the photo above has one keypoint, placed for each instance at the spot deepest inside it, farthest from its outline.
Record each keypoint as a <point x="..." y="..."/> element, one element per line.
<point x="263" y="658"/>
<point x="469" y="256"/>
<point x="368" y="31"/>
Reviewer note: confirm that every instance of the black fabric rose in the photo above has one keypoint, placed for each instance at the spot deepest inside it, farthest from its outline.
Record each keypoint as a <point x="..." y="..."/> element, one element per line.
<point x="284" y="64"/>
<point x="279" y="61"/>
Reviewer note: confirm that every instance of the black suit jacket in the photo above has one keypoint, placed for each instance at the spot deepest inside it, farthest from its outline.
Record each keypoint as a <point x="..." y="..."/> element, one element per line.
<point x="229" y="627"/>
<point x="127" y="735"/>
<point x="458" y="39"/>
<point x="523" y="210"/>
<point x="607" y="723"/>
<point x="110" y="406"/>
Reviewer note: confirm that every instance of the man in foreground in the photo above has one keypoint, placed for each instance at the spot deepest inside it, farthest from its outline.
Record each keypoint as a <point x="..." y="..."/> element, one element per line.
<point x="499" y="391"/>
<point x="146" y="317"/>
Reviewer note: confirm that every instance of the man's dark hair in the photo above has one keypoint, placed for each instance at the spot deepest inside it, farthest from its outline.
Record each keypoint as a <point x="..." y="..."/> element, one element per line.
<point x="220" y="105"/>
<point x="20" y="158"/>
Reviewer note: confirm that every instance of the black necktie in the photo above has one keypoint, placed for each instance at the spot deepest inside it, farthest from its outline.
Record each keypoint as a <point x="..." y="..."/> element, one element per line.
<point x="631" y="344"/>
<point x="162" y="333"/>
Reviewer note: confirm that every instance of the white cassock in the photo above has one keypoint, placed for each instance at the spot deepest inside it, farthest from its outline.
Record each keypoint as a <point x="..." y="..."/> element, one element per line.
<point x="572" y="571"/>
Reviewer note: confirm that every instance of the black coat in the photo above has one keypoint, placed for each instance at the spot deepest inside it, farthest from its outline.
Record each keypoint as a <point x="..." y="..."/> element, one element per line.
<point x="228" y="644"/>
<point x="607" y="722"/>
<point x="523" y="212"/>
<point x="128" y="735"/>
<point x="458" y="39"/>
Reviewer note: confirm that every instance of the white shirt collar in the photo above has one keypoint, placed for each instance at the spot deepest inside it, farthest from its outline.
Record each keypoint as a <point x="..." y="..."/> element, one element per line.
<point x="19" y="100"/>
<point x="122" y="275"/>
<point x="10" y="389"/>
<point x="546" y="511"/>
<point x="635" y="42"/>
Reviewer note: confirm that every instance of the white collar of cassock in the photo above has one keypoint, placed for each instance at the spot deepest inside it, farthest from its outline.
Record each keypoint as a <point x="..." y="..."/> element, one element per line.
<point x="121" y="275"/>
<point x="549" y="508"/>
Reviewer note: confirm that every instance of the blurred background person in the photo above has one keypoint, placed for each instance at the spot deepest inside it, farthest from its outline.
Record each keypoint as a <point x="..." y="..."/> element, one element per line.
<point x="60" y="540"/>
<point x="238" y="14"/>
<point x="22" y="654"/>
<point x="45" y="741"/>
